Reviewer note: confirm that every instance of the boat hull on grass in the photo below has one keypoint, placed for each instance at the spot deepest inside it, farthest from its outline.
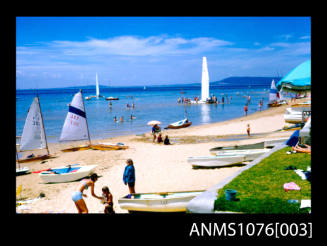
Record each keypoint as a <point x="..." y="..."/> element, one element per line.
<point x="249" y="154"/>
<point x="66" y="173"/>
<point x="260" y="145"/>
<point x="158" y="202"/>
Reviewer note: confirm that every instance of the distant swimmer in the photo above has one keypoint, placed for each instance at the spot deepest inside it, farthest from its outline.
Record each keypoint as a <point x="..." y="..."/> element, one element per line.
<point x="132" y="117"/>
<point x="121" y="119"/>
<point x="115" y="119"/>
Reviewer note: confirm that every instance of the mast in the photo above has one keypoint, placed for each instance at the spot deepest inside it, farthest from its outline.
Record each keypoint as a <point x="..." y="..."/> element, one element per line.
<point x="45" y="136"/>
<point x="184" y="104"/>
<point x="87" y="125"/>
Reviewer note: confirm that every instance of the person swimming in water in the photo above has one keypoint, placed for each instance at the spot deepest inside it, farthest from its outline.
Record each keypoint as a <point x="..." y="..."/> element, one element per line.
<point x="77" y="196"/>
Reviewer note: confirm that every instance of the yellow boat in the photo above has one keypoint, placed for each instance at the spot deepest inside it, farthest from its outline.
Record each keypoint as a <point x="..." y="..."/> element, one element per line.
<point x="108" y="146"/>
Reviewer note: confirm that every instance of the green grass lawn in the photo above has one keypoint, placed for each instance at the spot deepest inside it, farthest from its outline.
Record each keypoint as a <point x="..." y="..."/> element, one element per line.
<point x="260" y="188"/>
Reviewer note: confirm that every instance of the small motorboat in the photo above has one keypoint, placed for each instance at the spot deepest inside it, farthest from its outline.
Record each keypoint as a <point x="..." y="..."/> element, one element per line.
<point x="158" y="202"/>
<point x="179" y="124"/>
<point x="112" y="98"/>
<point x="66" y="173"/>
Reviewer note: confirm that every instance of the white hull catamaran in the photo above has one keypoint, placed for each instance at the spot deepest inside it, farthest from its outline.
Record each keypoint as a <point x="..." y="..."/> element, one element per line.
<point x="33" y="136"/>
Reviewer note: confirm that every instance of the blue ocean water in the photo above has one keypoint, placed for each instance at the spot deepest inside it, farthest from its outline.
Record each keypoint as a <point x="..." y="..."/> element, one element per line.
<point x="152" y="103"/>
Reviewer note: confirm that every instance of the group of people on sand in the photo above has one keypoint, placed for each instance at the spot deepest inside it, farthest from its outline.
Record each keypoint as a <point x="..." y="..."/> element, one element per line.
<point x="157" y="130"/>
<point x="106" y="198"/>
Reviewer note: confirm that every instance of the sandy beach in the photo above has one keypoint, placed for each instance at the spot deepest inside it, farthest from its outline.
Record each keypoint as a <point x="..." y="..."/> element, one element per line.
<point x="158" y="167"/>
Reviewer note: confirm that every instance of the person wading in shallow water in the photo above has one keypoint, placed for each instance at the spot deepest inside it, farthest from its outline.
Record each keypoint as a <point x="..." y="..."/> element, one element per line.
<point x="248" y="129"/>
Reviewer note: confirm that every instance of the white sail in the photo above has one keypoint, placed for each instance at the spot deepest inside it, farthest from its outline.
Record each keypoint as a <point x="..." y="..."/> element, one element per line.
<point x="273" y="92"/>
<point x="75" y="126"/>
<point x="97" y="86"/>
<point x="33" y="136"/>
<point x="205" y="80"/>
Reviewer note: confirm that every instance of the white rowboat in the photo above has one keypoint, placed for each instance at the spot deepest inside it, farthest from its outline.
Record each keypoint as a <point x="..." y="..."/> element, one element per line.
<point x="158" y="202"/>
<point x="66" y="173"/>
<point x="215" y="161"/>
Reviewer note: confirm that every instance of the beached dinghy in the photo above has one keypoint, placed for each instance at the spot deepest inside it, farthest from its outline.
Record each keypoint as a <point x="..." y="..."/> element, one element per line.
<point x="250" y="154"/>
<point x="66" y="173"/>
<point x="22" y="171"/>
<point x="259" y="145"/>
<point x="158" y="202"/>
<point x="108" y="146"/>
<point x="180" y="124"/>
<point x="215" y="161"/>
<point x="226" y="157"/>
<point x="33" y="136"/>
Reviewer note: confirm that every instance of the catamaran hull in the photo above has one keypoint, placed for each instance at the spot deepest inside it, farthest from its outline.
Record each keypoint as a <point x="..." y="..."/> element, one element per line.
<point x="159" y="203"/>
<point x="50" y="177"/>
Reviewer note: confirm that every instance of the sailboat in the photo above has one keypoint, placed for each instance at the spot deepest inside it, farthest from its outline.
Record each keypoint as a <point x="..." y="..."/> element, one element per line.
<point x="205" y="98"/>
<point x="274" y="100"/>
<point x="182" y="123"/>
<point x="33" y="136"/>
<point x="97" y="89"/>
<point x="76" y="128"/>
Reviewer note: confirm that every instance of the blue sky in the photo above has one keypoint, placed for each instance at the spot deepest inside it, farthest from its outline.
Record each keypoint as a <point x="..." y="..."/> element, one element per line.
<point x="126" y="51"/>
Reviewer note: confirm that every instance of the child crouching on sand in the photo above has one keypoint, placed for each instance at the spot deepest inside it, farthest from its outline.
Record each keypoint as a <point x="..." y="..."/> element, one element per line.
<point x="107" y="200"/>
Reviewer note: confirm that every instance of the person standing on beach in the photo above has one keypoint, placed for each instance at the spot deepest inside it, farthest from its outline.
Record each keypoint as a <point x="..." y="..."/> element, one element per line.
<point x="246" y="110"/>
<point x="248" y="129"/>
<point x="129" y="176"/>
<point x="77" y="196"/>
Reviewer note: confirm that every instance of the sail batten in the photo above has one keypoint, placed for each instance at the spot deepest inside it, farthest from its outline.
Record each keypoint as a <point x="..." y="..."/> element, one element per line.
<point x="33" y="136"/>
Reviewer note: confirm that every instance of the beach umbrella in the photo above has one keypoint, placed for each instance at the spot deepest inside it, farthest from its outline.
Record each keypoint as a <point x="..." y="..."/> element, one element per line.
<point x="153" y="122"/>
<point x="299" y="79"/>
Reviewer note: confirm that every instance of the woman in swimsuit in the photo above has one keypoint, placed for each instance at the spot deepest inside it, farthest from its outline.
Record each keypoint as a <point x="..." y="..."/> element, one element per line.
<point x="77" y="196"/>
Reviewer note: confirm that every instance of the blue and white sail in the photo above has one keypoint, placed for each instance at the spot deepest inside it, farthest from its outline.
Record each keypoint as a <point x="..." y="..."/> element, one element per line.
<point x="273" y="92"/>
<point x="33" y="136"/>
<point x="75" y="126"/>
